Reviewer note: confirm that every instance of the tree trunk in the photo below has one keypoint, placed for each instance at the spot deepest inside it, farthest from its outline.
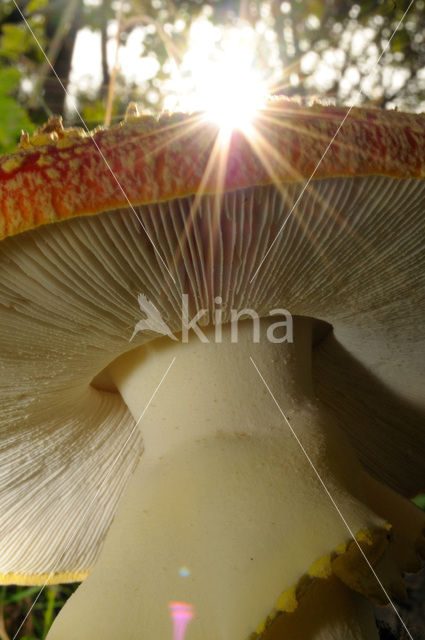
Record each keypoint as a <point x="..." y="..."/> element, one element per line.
<point x="54" y="95"/>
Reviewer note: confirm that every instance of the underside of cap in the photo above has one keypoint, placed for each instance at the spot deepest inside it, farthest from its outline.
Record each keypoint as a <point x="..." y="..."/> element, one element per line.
<point x="58" y="173"/>
<point x="59" y="452"/>
<point x="351" y="253"/>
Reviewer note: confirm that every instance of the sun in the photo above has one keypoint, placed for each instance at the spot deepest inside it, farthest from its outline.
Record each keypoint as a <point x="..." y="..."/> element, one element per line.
<point x="219" y="77"/>
<point x="233" y="92"/>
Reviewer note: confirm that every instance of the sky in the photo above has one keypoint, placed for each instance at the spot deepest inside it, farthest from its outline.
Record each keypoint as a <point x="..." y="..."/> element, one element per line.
<point x="220" y="62"/>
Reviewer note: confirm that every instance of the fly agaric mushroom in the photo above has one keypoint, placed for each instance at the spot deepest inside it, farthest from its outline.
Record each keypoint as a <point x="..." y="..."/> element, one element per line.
<point x="249" y="500"/>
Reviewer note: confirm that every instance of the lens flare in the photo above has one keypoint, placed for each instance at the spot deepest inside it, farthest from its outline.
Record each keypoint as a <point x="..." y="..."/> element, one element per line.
<point x="233" y="93"/>
<point x="181" y="614"/>
<point x="221" y="78"/>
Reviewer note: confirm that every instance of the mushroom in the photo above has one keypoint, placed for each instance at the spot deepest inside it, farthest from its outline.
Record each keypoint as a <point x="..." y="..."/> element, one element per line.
<point x="277" y="453"/>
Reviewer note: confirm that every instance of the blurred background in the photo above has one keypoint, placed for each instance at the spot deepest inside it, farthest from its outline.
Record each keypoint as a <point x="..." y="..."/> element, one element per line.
<point x="175" y="53"/>
<point x="184" y="54"/>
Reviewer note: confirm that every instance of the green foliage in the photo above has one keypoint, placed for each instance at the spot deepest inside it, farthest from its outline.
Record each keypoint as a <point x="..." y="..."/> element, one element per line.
<point x="13" y="117"/>
<point x="15" y="40"/>
<point x="295" y="28"/>
<point x="34" y="6"/>
<point x="420" y="501"/>
<point x="93" y="112"/>
<point x="17" y="44"/>
<point x="39" y="607"/>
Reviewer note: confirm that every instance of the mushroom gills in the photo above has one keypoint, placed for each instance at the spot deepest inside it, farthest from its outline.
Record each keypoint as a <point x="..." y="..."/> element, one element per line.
<point x="230" y="508"/>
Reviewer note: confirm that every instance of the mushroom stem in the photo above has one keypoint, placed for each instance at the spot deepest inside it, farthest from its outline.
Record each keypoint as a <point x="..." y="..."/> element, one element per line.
<point x="224" y="512"/>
